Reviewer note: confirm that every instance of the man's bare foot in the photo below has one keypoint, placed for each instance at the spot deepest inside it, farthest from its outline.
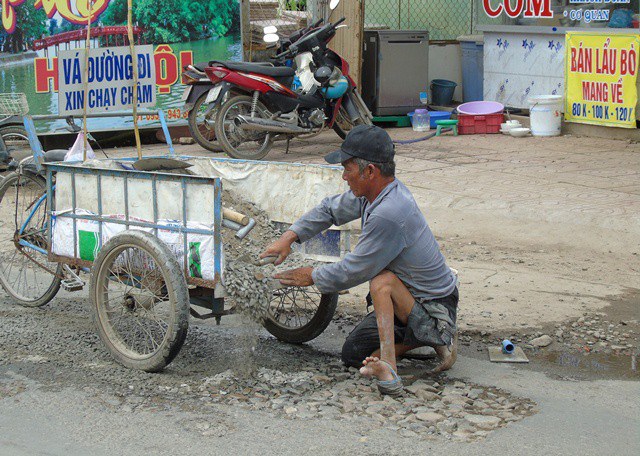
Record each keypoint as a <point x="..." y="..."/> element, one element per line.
<point x="373" y="367"/>
<point x="447" y="355"/>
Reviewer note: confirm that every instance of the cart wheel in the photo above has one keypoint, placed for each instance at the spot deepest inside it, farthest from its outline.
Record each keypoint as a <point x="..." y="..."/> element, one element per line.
<point x="300" y="314"/>
<point x="140" y="301"/>
<point x="25" y="274"/>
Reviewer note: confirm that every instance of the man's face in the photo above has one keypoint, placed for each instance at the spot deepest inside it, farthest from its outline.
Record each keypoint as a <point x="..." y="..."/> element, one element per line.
<point x="358" y="183"/>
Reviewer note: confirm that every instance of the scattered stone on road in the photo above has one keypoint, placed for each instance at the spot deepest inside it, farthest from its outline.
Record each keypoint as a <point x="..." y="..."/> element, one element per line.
<point x="429" y="417"/>
<point x="57" y="347"/>
<point x="483" y="421"/>
<point x="542" y="341"/>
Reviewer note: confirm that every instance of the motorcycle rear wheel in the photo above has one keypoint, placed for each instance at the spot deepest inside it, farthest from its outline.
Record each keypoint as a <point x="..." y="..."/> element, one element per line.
<point x="239" y="143"/>
<point x="202" y="126"/>
<point x="343" y="124"/>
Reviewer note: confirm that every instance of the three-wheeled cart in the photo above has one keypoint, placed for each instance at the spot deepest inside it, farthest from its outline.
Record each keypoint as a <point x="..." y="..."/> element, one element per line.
<point x="151" y="243"/>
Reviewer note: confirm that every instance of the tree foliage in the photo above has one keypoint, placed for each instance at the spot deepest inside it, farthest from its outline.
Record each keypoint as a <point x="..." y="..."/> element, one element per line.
<point x="170" y="21"/>
<point x="116" y="13"/>
<point x="31" y="24"/>
<point x="53" y="26"/>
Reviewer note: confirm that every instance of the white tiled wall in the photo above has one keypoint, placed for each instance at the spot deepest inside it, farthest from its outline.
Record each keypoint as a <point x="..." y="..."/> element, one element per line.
<point x="517" y="66"/>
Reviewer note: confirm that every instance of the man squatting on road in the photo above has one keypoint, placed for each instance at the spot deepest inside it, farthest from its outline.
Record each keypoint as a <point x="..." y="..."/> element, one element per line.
<point x="414" y="292"/>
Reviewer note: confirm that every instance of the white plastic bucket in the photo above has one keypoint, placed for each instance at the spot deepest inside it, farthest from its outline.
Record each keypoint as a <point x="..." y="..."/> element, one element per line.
<point x="546" y="115"/>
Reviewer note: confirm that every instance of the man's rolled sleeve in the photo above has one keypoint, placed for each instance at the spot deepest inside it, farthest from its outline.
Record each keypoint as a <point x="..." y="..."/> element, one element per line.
<point x="380" y="242"/>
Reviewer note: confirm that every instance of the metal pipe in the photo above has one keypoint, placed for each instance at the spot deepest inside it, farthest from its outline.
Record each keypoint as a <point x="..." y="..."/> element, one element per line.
<point x="241" y="231"/>
<point x="231" y="225"/>
<point x="245" y="230"/>
<point x="266" y="125"/>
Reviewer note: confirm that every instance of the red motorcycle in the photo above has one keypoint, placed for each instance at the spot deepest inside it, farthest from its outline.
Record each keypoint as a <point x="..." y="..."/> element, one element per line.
<point x="201" y="95"/>
<point x="269" y="103"/>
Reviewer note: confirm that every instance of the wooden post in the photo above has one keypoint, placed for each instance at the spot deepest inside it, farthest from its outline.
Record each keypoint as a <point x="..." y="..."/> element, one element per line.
<point x="85" y="102"/>
<point x="245" y="30"/>
<point x="348" y="41"/>
<point x="134" y="63"/>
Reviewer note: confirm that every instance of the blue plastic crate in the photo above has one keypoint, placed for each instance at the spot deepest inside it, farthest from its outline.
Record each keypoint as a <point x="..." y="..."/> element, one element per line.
<point x="435" y="115"/>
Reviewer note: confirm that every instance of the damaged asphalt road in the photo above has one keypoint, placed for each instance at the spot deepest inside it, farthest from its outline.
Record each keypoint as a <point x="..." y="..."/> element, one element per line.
<point x="229" y="389"/>
<point x="537" y="257"/>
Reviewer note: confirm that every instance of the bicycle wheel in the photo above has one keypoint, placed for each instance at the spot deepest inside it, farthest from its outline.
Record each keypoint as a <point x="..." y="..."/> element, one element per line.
<point x="25" y="273"/>
<point x="140" y="301"/>
<point x="15" y="136"/>
<point x="300" y="314"/>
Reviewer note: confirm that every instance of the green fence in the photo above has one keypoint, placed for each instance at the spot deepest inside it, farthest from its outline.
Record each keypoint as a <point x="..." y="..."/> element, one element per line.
<point x="444" y="19"/>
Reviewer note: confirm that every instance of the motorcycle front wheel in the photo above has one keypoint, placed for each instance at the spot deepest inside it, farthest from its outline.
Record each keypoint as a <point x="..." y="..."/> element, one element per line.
<point x="202" y="124"/>
<point x="236" y="141"/>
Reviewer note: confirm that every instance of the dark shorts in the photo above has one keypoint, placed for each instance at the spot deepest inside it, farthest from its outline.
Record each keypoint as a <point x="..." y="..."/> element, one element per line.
<point x="421" y="330"/>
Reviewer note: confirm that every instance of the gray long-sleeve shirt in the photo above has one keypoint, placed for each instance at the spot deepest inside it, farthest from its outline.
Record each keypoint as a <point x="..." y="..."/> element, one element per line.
<point x="395" y="236"/>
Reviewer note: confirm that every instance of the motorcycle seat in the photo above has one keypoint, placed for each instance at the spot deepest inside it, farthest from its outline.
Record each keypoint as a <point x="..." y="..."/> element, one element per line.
<point x="55" y="155"/>
<point x="274" y="72"/>
<point x="202" y="65"/>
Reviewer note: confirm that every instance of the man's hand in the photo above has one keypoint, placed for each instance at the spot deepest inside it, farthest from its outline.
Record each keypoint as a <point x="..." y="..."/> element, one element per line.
<point x="300" y="277"/>
<point x="281" y="248"/>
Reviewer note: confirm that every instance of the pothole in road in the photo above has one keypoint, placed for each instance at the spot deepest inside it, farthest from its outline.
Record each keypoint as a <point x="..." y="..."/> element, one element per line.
<point x="58" y="349"/>
<point x="428" y="409"/>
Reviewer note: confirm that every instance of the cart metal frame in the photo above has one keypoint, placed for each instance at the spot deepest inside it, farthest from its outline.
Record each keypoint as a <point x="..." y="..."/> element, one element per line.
<point x="126" y="175"/>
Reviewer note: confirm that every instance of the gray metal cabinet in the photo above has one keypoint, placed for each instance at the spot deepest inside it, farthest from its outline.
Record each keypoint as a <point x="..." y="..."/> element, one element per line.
<point x="395" y="70"/>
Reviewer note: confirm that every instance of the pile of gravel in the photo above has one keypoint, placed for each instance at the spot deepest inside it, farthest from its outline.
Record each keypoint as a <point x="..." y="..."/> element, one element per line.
<point x="428" y="409"/>
<point x="250" y="286"/>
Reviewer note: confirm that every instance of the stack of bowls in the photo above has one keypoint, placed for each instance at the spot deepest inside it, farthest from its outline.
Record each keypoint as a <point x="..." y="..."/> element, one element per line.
<point x="519" y="132"/>
<point x="514" y="128"/>
<point x="508" y="125"/>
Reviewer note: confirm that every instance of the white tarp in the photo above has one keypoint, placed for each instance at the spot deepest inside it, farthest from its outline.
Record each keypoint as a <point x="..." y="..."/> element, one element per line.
<point x="285" y="191"/>
<point x="200" y="247"/>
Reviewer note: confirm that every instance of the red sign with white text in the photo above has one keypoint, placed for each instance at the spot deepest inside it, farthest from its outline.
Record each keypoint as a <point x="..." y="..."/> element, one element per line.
<point x="517" y="8"/>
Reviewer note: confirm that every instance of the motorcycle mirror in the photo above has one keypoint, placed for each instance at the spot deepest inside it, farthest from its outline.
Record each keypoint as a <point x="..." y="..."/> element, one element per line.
<point x="322" y="75"/>
<point x="333" y="4"/>
<point x="271" y="38"/>
<point x="270" y="29"/>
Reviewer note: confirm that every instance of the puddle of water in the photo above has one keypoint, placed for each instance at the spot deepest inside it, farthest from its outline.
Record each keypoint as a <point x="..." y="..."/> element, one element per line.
<point x="595" y="365"/>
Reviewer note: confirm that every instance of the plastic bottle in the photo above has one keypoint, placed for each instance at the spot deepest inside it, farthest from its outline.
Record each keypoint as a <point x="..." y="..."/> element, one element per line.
<point x="421" y="120"/>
